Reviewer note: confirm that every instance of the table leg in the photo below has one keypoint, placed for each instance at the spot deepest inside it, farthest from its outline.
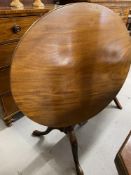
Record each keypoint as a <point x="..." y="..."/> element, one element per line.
<point x="119" y="106"/>
<point x="74" y="146"/>
<point x="41" y="133"/>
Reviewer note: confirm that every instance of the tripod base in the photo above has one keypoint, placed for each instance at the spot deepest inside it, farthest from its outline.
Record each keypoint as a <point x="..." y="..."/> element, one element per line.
<point x="69" y="131"/>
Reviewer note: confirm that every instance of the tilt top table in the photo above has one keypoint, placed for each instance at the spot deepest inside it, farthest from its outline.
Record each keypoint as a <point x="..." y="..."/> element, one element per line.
<point x="69" y="66"/>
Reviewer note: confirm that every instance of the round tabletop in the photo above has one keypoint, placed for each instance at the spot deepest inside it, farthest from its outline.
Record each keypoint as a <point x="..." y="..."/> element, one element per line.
<point x="70" y="64"/>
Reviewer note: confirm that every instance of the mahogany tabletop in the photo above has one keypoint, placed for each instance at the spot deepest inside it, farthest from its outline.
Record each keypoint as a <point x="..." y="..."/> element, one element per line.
<point x="70" y="64"/>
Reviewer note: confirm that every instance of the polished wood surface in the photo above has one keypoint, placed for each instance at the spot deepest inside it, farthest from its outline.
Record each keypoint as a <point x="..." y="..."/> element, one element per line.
<point x="123" y="157"/>
<point x="6" y="50"/>
<point x="122" y="7"/>
<point x="73" y="62"/>
<point x="13" y="24"/>
<point x="9" y="107"/>
<point x="4" y="77"/>
<point x="10" y="26"/>
<point x="9" y="11"/>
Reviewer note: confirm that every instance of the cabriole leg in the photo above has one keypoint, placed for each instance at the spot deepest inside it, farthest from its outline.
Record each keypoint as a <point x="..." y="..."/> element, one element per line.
<point x="41" y="133"/>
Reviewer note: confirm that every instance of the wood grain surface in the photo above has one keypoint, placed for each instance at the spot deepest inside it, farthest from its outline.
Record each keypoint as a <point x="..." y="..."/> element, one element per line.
<point x="8" y="25"/>
<point x="70" y="64"/>
<point x="14" y="23"/>
<point x="123" y="157"/>
<point x="126" y="154"/>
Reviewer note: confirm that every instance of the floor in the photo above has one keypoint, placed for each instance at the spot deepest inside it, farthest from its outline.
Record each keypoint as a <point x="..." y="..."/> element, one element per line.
<point x="99" y="141"/>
